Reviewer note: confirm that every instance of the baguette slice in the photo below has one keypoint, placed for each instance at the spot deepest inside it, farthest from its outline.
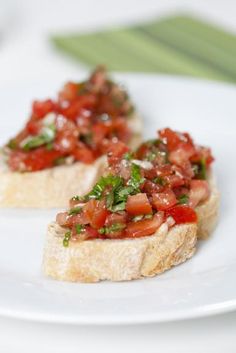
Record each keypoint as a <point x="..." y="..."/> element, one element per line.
<point x="54" y="186"/>
<point x="117" y="260"/>
<point x="208" y="211"/>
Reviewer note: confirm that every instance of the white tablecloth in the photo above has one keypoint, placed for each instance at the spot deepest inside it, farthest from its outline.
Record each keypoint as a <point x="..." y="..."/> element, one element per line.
<point x="25" y="54"/>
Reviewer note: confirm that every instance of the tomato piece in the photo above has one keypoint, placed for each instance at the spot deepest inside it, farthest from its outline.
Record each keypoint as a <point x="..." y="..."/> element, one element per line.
<point x="96" y="213"/>
<point x="33" y="127"/>
<point x="182" y="214"/>
<point x="69" y="92"/>
<point x="99" y="215"/>
<point x="116" y="151"/>
<point x="91" y="233"/>
<point x="66" y="141"/>
<point x="83" y="154"/>
<point x="113" y="218"/>
<point x="164" y="200"/>
<point x="100" y="131"/>
<point x="181" y="154"/>
<point x="16" y="161"/>
<point x="41" y="108"/>
<point x="199" y="191"/>
<point x="145" y="227"/>
<point x="171" y="138"/>
<point x="138" y="204"/>
<point x="82" y="102"/>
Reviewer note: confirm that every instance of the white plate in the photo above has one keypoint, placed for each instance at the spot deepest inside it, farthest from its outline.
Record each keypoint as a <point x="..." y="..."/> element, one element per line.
<point x="202" y="286"/>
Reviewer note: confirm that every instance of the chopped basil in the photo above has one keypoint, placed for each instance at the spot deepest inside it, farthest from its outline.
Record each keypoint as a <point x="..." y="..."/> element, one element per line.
<point x="118" y="207"/>
<point x="74" y="211"/>
<point x="79" y="228"/>
<point x="150" y="156"/>
<point x="183" y="199"/>
<point x="99" y="187"/>
<point x="12" y="144"/>
<point x="47" y="136"/>
<point x="128" y="156"/>
<point x="200" y="169"/>
<point x="113" y="228"/>
<point x="136" y="179"/>
<point x="66" y="239"/>
<point x="159" y="180"/>
<point x="60" y="161"/>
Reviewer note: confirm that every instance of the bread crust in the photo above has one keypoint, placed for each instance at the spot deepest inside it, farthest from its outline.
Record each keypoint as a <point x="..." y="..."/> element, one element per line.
<point x="208" y="211"/>
<point x="120" y="259"/>
<point x="53" y="187"/>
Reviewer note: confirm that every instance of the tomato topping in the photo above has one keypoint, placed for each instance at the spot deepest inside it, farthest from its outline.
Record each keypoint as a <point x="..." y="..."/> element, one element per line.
<point x="116" y="151"/>
<point x="138" y="204"/>
<point x="141" y="190"/>
<point x="41" y="108"/>
<point x="199" y="191"/>
<point x="144" y="228"/>
<point x="164" y="200"/>
<point x="84" y="121"/>
<point x="182" y="214"/>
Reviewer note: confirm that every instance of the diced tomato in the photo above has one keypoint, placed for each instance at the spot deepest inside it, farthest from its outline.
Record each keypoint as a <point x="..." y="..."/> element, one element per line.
<point x="116" y="151"/>
<point x="121" y="129"/>
<point x="172" y="138"/>
<point x="138" y="204"/>
<point x="66" y="141"/>
<point x="175" y="180"/>
<point x="91" y="233"/>
<point x="69" y="92"/>
<point x="100" y="131"/>
<point x="182" y="214"/>
<point x="163" y="170"/>
<point x="114" y="218"/>
<point x="199" y="191"/>
<point x="41" y="108"/>
<point x="150" y="188"/>
<point x="202" y="153"/>
<point x="73" y="110"/>
<point x="181" y="154"/>
<point x="83" y="154"/>
<point x="164" y="200"/>
<point x="145" y="227"/>
<point x="33" y="127"/>
<point x="96" y="213"/>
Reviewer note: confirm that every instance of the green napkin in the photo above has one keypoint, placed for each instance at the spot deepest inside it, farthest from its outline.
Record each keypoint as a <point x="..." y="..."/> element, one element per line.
<point x="175" y="45"/>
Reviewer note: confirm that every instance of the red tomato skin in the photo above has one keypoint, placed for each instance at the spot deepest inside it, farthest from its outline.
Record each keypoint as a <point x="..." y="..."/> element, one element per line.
<point x="145" y="227"/>
<point x="116" y="151"/>
<point x="164" y="200"/>
<point x="199" y="191"/>
<point x="182" y="214"/>
<point x="83" y="154"/>
<point x="138" y="204"/>
<point x="41" y="108"/>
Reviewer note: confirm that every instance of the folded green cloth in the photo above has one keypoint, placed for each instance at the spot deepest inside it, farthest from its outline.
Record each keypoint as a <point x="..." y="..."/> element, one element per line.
<point x="174" y="45"/>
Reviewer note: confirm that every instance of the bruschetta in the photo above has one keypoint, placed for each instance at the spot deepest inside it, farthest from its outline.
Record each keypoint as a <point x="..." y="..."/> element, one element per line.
<point x="142" y="217"/>
<point x="60" y="151"/>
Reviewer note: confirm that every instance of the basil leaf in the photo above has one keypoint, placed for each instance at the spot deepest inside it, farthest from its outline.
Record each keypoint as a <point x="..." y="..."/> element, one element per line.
<point x="136" y="179"/>
<point x="118" y="207"/>
<point x="79" y="228"/>
<point x="74" y="211"/>
<point x="183" y="199"/>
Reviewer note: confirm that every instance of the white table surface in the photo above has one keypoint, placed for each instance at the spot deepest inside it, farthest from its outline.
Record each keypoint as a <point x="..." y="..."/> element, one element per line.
<point x="25" y="54"/>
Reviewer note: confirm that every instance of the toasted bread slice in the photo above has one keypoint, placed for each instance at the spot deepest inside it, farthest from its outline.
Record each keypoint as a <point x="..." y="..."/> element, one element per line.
<point x="54" y="186"/>
<point x="208" y="211"/>
<point x="117" y="260"/>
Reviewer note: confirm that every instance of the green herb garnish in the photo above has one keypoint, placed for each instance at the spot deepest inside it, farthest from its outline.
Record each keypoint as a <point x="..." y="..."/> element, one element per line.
<point x="128" y="156"/>
<point x="74" y="211"/>
<point x="200" y="169"/>
<point x="60" y="161"/>
<point x="136" y="178"/>
<point x="113" y="228"/>
<point x="183" y="199"/>
<point x="47" y="136"/>
<point x="66" y="239"/>
<point x="159" y="180"/>
<point x="79" y="228"/>
<point x="12" y="144"/>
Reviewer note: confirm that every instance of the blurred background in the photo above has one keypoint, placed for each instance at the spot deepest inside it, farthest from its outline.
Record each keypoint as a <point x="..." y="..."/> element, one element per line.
<point x="56" y="37"/>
